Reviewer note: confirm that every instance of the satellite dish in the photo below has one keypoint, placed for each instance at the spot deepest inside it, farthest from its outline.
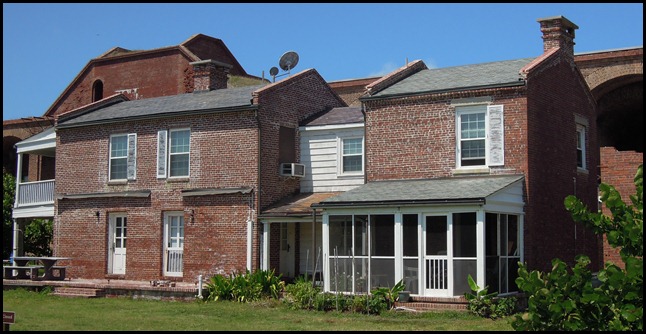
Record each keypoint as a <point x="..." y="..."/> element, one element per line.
<point x="288" y="60"/>
<point x="273" y="71"/>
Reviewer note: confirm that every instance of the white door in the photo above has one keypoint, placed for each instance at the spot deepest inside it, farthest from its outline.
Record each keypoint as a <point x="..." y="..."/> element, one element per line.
<point x="287" y="250"/>
<point x="436" y="264"/>
<point x="173" y="243"/>
<point x="117" y="244"/>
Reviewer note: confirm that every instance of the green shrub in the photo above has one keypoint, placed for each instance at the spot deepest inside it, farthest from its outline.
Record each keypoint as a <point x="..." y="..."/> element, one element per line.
<point x="488" y="305"/>
<point x="301" y="294"/>
<point x="389" y="295"/>
<point x="244" y="287"/>
<point x="567" y="299"/>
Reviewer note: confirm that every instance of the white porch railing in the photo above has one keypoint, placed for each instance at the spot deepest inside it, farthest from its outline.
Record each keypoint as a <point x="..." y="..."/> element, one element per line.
<point x="37" y="192"/>
<point x="437" y="273"/>
<point x="174" y="261"/>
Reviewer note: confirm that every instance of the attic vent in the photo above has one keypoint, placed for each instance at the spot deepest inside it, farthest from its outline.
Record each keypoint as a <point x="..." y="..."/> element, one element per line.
<point x="292" y="169"/>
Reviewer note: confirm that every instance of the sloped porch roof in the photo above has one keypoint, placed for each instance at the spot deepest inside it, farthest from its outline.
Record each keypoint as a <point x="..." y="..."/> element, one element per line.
<point x="450" y="190"/>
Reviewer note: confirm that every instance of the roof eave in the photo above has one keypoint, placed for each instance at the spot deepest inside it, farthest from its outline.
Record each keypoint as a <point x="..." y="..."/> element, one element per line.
<point x="157" y="116"/>
<point x="520" y="82"/>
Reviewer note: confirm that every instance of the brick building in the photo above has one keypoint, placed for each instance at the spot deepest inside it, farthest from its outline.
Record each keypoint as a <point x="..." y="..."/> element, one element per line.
<point x="354" y="181"/>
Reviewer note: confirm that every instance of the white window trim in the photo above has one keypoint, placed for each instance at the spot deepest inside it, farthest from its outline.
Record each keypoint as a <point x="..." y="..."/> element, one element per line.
<point x="110" y="157"/>
<point x="340" y="156"/>
<point x="458" y="137"/>
<point x="169" y="154"/>
<point x="581" y="132"/>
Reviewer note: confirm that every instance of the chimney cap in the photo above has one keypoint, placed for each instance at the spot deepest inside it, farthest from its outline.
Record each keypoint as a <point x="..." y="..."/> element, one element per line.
<point x="210" y="61"/>
<point x="562" y="18"/>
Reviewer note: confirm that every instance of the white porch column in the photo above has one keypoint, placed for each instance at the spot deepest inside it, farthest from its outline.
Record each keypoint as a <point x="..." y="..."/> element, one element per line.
<point x="326" y="250"/>
<point x="249" y="244"/>
<point x="18" y="178"/>
<point x="265" y="246"/>
<point x="480" y="247"/>
<point x="399" y="247"/>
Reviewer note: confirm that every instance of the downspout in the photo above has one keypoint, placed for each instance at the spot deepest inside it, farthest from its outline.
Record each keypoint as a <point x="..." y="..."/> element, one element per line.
<point x="314" y="245"/>
<point x="259" y="192"/>
<point x="365" y="147"/>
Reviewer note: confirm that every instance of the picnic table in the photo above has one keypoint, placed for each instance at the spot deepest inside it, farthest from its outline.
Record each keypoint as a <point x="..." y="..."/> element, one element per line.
<point x="51" y="272"/>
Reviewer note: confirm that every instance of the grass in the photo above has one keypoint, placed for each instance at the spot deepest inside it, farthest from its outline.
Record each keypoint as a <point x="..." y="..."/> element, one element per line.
<point x="36" y="311"/>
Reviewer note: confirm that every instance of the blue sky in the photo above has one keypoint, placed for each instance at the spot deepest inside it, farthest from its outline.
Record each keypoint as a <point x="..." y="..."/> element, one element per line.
<point x="46" y="45"/>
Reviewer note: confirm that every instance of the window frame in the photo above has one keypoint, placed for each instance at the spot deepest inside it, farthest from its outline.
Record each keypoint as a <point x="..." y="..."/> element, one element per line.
<point x="459" y="112"/>
<point x="342" y="155"/>
<point x="170" y="154"/>
<point x="581" y="146"/>
<point x="124" y="157"/>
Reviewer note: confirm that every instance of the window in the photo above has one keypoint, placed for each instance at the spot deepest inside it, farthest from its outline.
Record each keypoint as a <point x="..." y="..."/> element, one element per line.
<point x="175" y="163"/>
<point x="580" y="147"/>
<point x="97" y="91"/>
<point x="122" y="156"/>
<point x="173" y="243"/>
<point x="352" y="155"/>
<point x="480" y="136"/>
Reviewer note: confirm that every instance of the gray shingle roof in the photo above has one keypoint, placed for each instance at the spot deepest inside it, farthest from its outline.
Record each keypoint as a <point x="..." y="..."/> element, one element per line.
<point x="159" y="106"/>
<point x="440" y="190"/>
<point x="501" y="73"/>
<point x="339" y="115"/>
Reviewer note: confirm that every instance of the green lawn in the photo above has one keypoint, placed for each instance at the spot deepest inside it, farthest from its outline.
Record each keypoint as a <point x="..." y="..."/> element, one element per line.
<point x="43" y="312"/>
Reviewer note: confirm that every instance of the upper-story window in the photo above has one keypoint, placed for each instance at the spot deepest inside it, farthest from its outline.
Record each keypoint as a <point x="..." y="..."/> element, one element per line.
<point x="580" y="146"/>
<point x="97" y="91"/>
<point x="173" y="155"/>
<point x="123" y="153"/>
<point x="351" y="155"/>
<point x="480" y="136"/>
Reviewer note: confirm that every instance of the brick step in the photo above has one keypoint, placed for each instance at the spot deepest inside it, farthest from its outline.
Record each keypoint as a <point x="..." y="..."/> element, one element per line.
<point x="78" y="292"/>
<point x="433" y="303"/>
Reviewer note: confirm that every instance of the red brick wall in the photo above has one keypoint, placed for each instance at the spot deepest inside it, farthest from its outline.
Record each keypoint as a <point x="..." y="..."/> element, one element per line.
<point x="287" y="103"/>
<point x="223" y="154"/>
<point x="556" y="92"/>
<point x="141" y="77"/>
<point x="618" y="169"/>
<point x="414" y="137"/>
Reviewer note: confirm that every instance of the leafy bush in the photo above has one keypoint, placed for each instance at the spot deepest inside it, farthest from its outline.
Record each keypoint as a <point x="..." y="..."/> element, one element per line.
<point x="566" y="299"/>
<point x="301" y="294"/>
<point x="244" y="287"/>
<point x="389" y="295"/>
<point x="488" y="305"/>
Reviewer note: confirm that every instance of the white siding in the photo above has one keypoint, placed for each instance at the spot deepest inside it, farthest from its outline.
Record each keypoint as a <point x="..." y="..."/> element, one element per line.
<point x="320" y="155"/>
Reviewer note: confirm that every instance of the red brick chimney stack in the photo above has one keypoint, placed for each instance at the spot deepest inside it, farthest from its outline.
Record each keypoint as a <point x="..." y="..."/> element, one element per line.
<point x="210" y="75"/>
<point x="558" y="32"/>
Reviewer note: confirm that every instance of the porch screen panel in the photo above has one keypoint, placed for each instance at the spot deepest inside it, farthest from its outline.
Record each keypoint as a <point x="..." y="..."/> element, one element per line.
<point x="492" y="271"/>
<point x="340" y="273"/>
<point x="410" y="252"/>
<point x="464" y="251"/>
<point x="382" y="273"/>
<point x="340" y="235"/>
<point x="360" y="235"/>
<point x="382" y="233"/>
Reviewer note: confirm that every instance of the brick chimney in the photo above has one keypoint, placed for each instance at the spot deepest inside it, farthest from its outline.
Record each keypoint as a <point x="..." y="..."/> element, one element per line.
<point x="209" y="75"/>
<point x="558" y="32"/>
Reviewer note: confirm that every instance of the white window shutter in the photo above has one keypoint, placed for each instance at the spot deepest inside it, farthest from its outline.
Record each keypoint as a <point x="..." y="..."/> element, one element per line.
<point x="496" y="136"/>
<point x="162" y="135"/>
<point x="132" y="156"/>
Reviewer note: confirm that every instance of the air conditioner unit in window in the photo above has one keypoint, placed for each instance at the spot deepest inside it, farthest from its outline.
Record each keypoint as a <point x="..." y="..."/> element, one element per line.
<point x="292" y="169"/>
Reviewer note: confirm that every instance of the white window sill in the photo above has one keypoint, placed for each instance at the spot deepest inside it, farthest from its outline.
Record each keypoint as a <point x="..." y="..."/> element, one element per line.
<point x="582" y="170"/>
<point x="178" y="179"/>
<point x="117" y="182"/>
<point x="463" y="171"/>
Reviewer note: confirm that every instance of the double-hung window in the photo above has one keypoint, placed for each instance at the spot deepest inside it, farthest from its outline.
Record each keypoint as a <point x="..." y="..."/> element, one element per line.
<point x="173" y="153"/>
<point x="480" y="136"/>
<point x="351" y="155"/>
<point x="580" y="147"/>
<point x="123" y="150"/>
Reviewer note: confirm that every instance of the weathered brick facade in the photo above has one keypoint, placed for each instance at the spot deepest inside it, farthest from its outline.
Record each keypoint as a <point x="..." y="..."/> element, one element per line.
<point x="414" y="138"/>
<point x="228" y="150"/>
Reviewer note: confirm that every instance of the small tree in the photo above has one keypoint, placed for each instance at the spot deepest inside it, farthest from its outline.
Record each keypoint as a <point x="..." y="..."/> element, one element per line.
<point x="567" y="299"/>
<point x="9" y="195"/>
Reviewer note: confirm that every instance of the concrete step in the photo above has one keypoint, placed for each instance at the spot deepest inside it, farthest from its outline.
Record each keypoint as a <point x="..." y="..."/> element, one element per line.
<point x="78" y="292"/>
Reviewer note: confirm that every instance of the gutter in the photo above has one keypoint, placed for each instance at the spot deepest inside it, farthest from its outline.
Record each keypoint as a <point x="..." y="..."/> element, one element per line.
<point x="322" y="205"/>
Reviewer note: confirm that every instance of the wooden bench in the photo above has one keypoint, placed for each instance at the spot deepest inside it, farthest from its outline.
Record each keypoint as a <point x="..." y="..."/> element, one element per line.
<point x="22" y="272"/>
